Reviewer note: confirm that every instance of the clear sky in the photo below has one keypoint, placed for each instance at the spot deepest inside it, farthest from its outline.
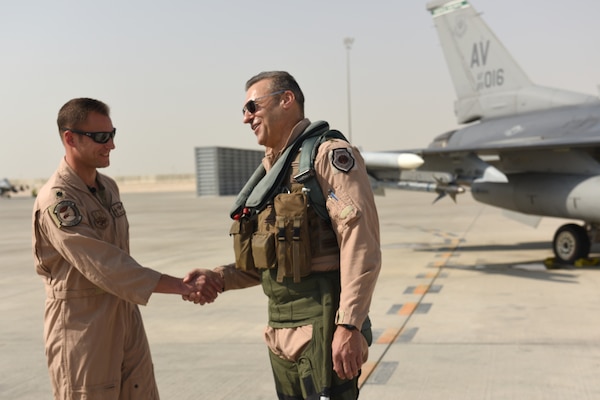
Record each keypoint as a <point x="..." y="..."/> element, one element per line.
<point x="173" y="71"/>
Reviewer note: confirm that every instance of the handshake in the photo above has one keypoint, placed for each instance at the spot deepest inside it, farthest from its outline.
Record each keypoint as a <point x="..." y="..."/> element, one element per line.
<point x="202" y="286"/>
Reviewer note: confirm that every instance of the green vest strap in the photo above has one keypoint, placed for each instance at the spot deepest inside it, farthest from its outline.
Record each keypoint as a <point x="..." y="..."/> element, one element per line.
<point x="261" y="187"/>
<point x="240" y="201"/>
<point x="306" y="170"/>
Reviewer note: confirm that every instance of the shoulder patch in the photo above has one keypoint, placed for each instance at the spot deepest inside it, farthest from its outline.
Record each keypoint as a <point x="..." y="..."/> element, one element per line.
<point x="66" y="213"/>
<point x="342" y="159"/>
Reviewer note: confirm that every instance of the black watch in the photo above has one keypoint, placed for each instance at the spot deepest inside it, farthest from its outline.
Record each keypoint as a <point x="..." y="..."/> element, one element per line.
<point x="349" y="327"/>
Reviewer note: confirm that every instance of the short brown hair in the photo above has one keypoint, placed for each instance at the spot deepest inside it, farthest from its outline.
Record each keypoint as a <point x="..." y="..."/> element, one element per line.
<point x="280" y="80"/>
<point x="76" y="111"/>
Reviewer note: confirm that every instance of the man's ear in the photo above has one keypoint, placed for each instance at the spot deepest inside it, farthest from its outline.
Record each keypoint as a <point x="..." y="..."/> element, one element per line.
<point x="288" y="99"/>
<point x="69" y="138"/>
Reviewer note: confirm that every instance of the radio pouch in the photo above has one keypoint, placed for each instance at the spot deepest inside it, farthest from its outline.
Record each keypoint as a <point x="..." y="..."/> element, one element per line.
<point x="292" y="236"/>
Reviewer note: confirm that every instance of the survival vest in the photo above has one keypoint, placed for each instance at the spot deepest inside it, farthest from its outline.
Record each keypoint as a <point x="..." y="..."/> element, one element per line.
<point x="280" y="218"/>
<point x="261" y="187"/>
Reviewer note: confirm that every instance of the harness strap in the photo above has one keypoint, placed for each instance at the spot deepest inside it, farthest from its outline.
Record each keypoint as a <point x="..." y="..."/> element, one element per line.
<point x="296" y="250"/>
<point x="262" y="186"/>
<point x="281" y="249"/>
<point x="306" y="170"/>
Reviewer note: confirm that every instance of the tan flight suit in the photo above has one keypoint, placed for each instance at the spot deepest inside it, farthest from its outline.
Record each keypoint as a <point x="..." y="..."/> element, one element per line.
<point x="354" y="219"/>
<point x="96" y="345"/>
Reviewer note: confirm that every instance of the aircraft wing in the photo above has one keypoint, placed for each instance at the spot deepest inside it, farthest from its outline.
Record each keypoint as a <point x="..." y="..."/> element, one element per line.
<point x="569" y="126"/>
<point x="563" y="141"/>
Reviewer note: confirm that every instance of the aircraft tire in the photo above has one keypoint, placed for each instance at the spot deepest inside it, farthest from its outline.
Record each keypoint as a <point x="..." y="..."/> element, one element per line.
<point x="571" y="242"/>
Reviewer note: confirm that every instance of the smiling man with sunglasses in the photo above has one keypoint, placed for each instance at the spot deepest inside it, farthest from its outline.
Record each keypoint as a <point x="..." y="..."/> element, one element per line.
<point x="318" y="268"/>
<point x="96" y="346"/>
<point x="98" y="137"/>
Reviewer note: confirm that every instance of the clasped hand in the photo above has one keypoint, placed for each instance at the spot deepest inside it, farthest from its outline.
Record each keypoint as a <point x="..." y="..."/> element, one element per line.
<point x="205" y="286"/>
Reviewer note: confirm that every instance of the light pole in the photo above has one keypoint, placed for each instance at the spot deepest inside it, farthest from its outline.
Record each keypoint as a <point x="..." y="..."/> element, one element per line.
<point x="348" y="43"/>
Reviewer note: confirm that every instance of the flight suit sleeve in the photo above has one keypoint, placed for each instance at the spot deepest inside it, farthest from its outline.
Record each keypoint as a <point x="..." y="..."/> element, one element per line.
<point x="76" y="244"/>
<point x="237" y="279"/>
<point x="342" y="176"/>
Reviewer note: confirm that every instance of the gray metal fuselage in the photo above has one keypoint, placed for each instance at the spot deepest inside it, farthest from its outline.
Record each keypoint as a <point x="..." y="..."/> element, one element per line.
<point x="550" y="158"/>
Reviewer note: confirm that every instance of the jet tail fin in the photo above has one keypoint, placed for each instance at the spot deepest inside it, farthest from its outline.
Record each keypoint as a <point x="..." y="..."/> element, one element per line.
<point x="487" y="80"/>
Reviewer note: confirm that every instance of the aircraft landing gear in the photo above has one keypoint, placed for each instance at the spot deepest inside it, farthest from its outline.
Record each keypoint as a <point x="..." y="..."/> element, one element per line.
<point x="571" y="242"/>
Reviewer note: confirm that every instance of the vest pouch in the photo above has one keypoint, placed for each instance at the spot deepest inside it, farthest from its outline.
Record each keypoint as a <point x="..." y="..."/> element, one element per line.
<point x="263" y="250"/>
<point x="263" y="240"/>
<point x="292" y="236"/>
<point x="242" y="230"/>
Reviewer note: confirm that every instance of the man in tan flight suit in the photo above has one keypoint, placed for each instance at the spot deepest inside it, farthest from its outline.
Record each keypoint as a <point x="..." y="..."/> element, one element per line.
<point x="315" y="316"/>
<point x="96" y="345"/>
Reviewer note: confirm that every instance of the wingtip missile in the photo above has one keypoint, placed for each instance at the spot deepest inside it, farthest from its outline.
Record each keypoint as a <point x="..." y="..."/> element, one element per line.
<point x="441" y="188"/>
<point x="409" y="161"/>
<point x="448" y="190"/>
<point x="406" y="161"/>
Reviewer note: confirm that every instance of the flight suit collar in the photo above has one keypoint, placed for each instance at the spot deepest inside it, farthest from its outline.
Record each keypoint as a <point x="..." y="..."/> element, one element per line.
<point x="70" y="177"/>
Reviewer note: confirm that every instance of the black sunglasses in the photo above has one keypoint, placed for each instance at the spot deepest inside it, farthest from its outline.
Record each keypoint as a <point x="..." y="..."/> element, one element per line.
<point x="250" y="105"/>
<point x="98" y="137"/>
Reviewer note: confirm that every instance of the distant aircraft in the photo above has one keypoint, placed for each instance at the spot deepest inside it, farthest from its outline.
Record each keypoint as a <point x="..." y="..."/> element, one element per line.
<point x="526" y="148"/>
<point x="6" y="188"/>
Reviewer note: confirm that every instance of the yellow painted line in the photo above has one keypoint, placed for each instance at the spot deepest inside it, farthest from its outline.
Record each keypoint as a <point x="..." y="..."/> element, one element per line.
<point x="366" y="371"/>
<point x="421" y="289"/>
<point x="388" y="336"/>
<point x="408" y="309"/>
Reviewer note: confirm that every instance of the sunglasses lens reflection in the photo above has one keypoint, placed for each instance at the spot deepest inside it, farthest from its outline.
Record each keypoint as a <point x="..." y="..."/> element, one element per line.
<point x="103" y="137"/>
<point x="250" y="107"/>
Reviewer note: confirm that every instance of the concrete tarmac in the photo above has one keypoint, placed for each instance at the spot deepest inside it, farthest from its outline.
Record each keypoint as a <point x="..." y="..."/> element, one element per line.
<point x="464" y="308"/>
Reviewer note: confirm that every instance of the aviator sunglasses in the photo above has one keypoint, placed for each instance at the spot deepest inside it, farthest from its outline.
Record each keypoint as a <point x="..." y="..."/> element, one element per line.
<point x="98" y="137"/>
<point x="250" y="105"/>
